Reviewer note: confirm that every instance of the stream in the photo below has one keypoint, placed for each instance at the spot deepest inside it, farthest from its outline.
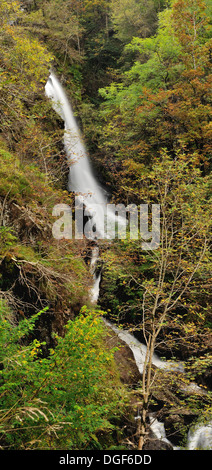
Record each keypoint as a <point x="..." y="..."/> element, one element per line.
<point x="83" y="182"/>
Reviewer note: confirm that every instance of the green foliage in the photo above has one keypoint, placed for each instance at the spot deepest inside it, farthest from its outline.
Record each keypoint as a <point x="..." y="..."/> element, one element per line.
<point x="60" y="25"/>
<point x="135" y="18"/>
<point x="156" y="57"/>
<point x="23" y="182"/>
<point x="163" y="99"/>
<point x="63" y="400"/>
<point x="28" y="200"/>
<point x="13" y="180"/>
<point x="7" y="238"/>
<point x="24" y="70"/>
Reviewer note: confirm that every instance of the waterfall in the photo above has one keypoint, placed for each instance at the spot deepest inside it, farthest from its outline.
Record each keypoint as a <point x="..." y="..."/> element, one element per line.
<point x="158" y="429"/>
<point x="81" y="178"/>
<point x="94" y="293"/>
<point x="200" y="437"/>
<point x="139" y="351"/>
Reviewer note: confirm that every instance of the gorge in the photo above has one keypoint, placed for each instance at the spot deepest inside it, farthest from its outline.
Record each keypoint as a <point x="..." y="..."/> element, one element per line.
<point x="105" y="227"/>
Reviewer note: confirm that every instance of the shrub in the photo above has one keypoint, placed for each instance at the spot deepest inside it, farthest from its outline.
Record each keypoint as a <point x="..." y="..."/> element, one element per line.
<point x="60" y="401"/>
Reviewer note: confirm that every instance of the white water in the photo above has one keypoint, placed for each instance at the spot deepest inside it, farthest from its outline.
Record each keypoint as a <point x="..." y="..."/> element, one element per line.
<point x="81" y="177"/>
<point x="94" y="293"/>
<point x="158" y="429"/>
<point x="139" y="351"/>
<point x="200" y="437"/>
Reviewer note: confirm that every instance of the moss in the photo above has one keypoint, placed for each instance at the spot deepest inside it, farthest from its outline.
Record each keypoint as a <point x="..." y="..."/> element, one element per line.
<point x="7" y="239"/>
<point x="26" y="253"/>
<point x="25" y="183"/>
<point x="12" y="178"/>
<point x="18" y="181"/>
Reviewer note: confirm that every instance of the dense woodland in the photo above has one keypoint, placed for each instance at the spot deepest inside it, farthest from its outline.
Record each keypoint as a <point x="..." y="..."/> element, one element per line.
<point x="138" y="74"/>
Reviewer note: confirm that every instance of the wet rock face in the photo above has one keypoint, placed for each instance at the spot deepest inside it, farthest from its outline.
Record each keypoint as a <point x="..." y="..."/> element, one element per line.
<point x="206" y="378"/>
<point x="156" y="444"/>
<point x="153" y="443"/>
<point x="128" y="370"/>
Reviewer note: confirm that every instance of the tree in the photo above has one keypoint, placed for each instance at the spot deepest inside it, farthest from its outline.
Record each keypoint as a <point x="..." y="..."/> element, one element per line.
<point x="25" y="64"/>
<point x="134" y="18"/>
<point x="182" y="258"/>
<point x="163" y="100"/>
<point x="59" y="24"/>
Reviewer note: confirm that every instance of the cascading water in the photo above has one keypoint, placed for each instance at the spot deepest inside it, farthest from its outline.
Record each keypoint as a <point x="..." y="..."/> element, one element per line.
<point x="94" y="294"/>
<point x="81" y="177"/>
<point x="158" y="429"/>
<point x="83" y="182"/>
<point x="139" y="351"/>
<point x="200" y="437"/>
